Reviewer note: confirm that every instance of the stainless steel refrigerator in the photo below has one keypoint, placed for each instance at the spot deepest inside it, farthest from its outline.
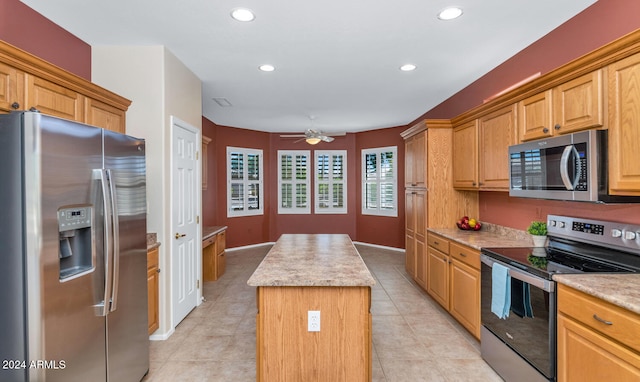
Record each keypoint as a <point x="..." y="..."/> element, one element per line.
<point x="73" y="275"/>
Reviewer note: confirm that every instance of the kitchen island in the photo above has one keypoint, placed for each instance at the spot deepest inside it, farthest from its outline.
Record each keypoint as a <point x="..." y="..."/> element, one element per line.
<point x="319" y="273"/>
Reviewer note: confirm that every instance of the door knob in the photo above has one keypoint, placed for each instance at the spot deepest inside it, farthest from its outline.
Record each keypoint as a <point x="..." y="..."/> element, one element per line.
<point x="180" y="235"/>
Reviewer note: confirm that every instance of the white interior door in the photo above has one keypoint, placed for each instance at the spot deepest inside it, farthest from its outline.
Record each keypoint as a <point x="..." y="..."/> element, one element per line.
<point x="185" y="246"/>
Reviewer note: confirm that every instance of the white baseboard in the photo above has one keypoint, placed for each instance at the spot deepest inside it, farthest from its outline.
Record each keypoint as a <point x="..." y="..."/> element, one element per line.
<point x="161" y="336"/>
<point x="249" y="246"/>
<point x="379" y="246"/>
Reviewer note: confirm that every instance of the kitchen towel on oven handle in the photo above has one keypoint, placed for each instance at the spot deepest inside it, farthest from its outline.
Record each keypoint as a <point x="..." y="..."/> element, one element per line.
<point x="500" y="291"/>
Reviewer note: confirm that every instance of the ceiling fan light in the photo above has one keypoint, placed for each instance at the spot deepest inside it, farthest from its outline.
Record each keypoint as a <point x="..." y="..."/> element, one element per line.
<point x="313" y="140"/>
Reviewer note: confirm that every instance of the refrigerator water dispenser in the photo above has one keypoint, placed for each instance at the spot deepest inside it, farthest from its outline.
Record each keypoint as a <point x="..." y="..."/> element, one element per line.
<point x="75" y="233"/>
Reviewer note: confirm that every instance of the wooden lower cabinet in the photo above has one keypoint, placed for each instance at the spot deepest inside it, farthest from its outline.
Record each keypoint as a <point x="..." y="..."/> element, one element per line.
<point x="213" y="256"/>
<point x="153" y="284"/>
<point x="287" y="351"/>
<point x="590" y="349"/>
<point x="453" y="280"/>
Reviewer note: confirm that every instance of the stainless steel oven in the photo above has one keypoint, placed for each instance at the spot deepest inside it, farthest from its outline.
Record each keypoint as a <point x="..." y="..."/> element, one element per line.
<point x="521" y="345"/>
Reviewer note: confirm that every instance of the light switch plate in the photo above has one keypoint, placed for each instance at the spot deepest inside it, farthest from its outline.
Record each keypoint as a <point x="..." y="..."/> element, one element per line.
<point x="313" y="320"/>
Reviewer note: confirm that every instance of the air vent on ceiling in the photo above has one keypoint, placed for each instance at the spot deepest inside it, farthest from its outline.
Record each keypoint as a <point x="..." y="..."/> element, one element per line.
<point x="223" y="102"/>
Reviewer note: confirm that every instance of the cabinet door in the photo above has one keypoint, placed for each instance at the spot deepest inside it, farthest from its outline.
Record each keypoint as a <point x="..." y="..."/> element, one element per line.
<point x="410" y="233"/>
<point x="534" y="116"/>
<point x="584" y="355"/>
<point x="209" y="272"/>
<point x="420" y="237"/>
<point x="465" y="156"/>
<point x="624" y="126"/>
<point x="102" y="115"/>
<point x="438" y="276"/>
<point x="152" y="290"/>
<point x="497" y="133"/>
<point x="465" y="296"/>
<point x="578" y="104"/>
<point x="415" y="163"/>
<point x="53" y="99"/>
<point x="11" y="88"/>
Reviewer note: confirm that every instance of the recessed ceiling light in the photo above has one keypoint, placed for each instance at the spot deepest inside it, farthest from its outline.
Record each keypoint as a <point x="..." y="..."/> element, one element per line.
<point x="450" y="13"/>
<point x="242" y="14"/>
<point x="267" y="68"/>
<point x="407" y="67"/>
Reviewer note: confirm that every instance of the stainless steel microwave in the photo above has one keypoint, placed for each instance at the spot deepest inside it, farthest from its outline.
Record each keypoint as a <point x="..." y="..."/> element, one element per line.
<point x="567" y="167"/>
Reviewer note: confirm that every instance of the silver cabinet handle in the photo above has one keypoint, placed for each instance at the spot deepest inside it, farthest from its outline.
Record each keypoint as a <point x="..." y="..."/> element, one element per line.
<point x="463" y="254"/>
<point x="595" y="316"/>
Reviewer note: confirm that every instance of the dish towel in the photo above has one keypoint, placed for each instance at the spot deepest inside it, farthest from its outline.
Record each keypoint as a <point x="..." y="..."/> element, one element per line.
<point x="500" y="291"/>
<point x="521" y="299"/>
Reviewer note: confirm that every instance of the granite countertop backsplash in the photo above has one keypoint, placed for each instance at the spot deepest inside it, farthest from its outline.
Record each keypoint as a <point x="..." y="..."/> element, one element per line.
<point x="491" y="235"/>
<point x="152" y="241"/>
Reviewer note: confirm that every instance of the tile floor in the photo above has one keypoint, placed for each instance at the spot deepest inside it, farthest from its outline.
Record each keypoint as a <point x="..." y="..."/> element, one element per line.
<point x="413" y="338"/>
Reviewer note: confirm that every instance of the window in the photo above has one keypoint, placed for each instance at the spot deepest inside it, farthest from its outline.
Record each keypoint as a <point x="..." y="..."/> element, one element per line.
<point x="379" y="181"/>
<point x="294" y="187"/>
<point x="244" y="182"/>
<point x="331" y="182"/>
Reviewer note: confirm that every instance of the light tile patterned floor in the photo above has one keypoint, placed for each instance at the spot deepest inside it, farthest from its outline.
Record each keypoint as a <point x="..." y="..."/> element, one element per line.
<point x="413" y="338"/>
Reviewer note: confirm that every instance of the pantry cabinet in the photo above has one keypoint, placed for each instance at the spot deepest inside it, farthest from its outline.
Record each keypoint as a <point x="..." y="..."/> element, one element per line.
<point x="595" y="340"/>
<point x="415" y="169"/>
<point x="415" y="234"/>
<point x="575" y="105"/>
<point x="453" y="280"/>
<point x="27" y="82"/>
<point x="624" y="126"/>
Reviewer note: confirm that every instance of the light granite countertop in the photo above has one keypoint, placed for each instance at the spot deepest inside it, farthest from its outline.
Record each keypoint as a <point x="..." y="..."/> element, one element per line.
<point x="312" y="260"/>
<point x="207" y="232"/>
<point x="619" y="289"/>
<point x="490" y="235"/>
<point x="152" y="241"/>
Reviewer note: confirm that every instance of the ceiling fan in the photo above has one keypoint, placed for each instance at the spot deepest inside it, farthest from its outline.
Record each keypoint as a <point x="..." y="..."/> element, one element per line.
<point x="312" y="136"/>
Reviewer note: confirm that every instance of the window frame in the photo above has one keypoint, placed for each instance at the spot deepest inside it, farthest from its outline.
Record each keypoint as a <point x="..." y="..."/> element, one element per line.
<point x="294" y="182"/>
<point x="246" y="182"/>
<point x="331" y="182"/>
<point x="378" y="211"/>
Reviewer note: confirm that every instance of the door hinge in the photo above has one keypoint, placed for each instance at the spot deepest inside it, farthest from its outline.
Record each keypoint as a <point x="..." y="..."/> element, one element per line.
<point x="197" y="284"/>
<point x="197" y="155"/>
<point x="197" y="219"/>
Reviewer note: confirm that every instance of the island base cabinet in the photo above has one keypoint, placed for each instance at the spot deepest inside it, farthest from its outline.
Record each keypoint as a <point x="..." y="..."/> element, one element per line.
<point x="287" y="351"/>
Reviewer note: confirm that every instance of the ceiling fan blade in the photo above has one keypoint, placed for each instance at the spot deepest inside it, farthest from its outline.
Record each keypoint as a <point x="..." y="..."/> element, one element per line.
<point x="326" y="138"/>
<point x="292" y="136"/>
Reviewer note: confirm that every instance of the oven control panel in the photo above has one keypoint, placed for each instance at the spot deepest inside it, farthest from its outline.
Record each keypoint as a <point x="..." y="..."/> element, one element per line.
<point x="621" y="235"/>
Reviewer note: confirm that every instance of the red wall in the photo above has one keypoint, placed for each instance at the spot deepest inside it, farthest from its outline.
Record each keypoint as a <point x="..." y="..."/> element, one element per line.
<point x="603" y="22"/>
<point x="28" y="30"/>
<point x="268" y="227"/>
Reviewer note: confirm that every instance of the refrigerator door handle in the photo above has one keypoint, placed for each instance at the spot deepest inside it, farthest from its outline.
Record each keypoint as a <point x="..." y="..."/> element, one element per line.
<point x="100" y="175"/>
<point x="116" y="242"/>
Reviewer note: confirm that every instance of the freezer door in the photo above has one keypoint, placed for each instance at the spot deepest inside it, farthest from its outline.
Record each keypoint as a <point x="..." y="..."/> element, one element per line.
<point x="60" y="157"/>
<point x="127" y="328"/>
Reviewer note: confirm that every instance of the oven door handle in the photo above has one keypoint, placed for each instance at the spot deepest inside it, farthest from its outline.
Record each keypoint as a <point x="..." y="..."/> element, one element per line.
<point x="545" y="285"/>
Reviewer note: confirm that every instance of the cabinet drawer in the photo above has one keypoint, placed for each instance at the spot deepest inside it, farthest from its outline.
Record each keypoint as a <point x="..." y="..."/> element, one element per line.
<point x="438" y="242"/>
<point x="590" y="310"/>
<point x="207" y="242"/>
<point x="467" y="255"/>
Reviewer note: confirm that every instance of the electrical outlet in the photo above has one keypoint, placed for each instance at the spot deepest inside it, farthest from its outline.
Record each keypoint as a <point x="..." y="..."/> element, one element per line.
<point x="313" y="320"/>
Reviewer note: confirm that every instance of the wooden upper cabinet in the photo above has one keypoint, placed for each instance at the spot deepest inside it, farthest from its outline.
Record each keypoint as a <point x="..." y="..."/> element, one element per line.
<point x="27" y="81"/>
<point x="497" y="132"/>
<point x="415" y="164"/>
<point x="465" y="156"/>
<point x="52" y="99"/>
<point x="534" y="116"/>
<point x="578" y="104"/>
<point x="102" y="115"/>
<point x="624" y="126"/>
<point x="572" y="106"/>
<point x="11" y="88"/>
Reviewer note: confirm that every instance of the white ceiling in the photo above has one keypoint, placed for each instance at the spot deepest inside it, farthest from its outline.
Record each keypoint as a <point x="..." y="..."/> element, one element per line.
<point x="336" y="60"/>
